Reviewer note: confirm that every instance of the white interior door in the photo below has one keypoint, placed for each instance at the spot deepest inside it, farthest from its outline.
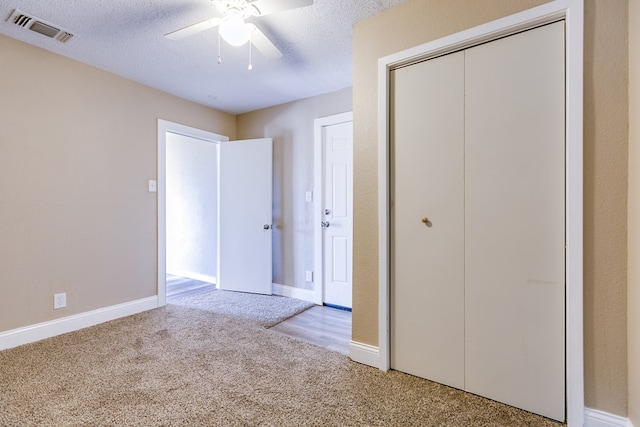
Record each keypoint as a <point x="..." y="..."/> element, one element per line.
<point x="427" y="220"/>
<point x="245" y="185"/>
<point x="515" y="217"/>
<point x="337" y="142"/>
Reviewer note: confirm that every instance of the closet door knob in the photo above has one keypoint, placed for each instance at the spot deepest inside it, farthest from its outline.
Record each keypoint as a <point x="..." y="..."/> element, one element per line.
<point x="425" y="220"/>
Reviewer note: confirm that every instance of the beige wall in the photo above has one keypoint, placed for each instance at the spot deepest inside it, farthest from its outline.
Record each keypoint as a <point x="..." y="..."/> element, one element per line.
<point x="291" y="127"/>
<point x="420" y="21"/>
<point x="633" y="299"/>
<point x="605" y="205"/>
<point x="77" y="147"/>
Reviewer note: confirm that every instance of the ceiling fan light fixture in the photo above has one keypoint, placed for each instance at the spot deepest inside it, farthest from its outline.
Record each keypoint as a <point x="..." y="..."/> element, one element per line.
<point x="235" y="31"/>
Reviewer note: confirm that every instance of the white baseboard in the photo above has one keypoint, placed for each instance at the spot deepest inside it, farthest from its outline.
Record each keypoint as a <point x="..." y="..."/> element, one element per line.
<point x="595" y="418"/>
<point x="40" y="331"/>
<point x="194" y="276"/>
<point x="364" y="353"/>
<point x="291" y="292"/>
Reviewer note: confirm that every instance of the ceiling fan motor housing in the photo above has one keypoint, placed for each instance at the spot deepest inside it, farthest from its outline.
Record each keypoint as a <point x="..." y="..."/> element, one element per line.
<point x="234" y="7"/>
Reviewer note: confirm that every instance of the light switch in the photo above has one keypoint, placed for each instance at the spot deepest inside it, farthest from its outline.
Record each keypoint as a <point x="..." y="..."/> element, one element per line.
<point x="308" y="196"/>
<point x="309" y="276"/>
<point x="153" y="186"/>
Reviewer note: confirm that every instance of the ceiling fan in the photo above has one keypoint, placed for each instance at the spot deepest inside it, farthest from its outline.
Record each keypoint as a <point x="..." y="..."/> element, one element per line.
<point x="232" y="26"/>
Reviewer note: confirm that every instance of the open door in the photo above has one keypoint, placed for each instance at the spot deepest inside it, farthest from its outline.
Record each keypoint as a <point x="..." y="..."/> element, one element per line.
<point x="245" y="185"/>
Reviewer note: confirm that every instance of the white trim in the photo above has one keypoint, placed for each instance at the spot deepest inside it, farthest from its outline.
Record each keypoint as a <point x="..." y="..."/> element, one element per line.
<point x="195" y="276"/>
<point x="572" y="11"/>
<point x="574" y="345"/>
<point x="595" y="418"/>
<point x="318" y="196"/>
<point x="165" y="126"/>
<point x="364" y="353"/>
<point x="292" y="292"/>
<point x="40" y="331"/>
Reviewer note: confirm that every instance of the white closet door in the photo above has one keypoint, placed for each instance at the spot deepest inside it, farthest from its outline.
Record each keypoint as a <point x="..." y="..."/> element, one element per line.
<point x="427" y="259"/>
<point x="514" y="222"/>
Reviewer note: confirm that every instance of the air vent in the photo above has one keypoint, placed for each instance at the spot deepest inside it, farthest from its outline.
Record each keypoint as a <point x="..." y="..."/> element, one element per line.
<point x="39" y="26"/>
<point x="20" y="19"/>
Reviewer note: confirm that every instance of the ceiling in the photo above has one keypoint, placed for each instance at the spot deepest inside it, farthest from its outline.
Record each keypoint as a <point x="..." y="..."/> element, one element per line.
<point x="126" y="37"/>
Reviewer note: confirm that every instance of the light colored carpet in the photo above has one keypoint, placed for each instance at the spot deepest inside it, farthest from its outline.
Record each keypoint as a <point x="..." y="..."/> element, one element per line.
<point x="266" y="310"/>
<point x="177" y="366"/>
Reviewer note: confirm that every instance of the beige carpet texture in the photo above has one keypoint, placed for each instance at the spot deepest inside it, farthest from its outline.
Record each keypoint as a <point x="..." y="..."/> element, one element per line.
<point x="179" y="366"/>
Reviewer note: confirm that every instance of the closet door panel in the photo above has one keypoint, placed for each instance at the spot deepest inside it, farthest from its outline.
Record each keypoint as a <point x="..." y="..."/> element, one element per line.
<point x="427" y="220"/>
<point x="514" y="221"/>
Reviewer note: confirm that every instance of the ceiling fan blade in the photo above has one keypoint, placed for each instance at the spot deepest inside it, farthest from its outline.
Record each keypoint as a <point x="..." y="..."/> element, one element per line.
<point x="263" y="44"/>
<point x="193" y="29"/>
<point x="270" y="6"/>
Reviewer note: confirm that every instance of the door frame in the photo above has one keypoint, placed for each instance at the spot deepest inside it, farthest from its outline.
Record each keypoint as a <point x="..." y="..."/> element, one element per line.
<point x="572" y="12"/>
<point x="318" y="197"/>
<point x="165" y="126"/>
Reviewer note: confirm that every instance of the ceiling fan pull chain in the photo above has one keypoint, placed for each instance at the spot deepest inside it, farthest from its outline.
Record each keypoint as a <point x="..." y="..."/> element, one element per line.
<point x="219" y="57"/>
<point x="250" y="67"/>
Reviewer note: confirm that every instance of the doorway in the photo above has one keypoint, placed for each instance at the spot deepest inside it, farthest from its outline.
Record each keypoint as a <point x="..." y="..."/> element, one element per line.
<point x="166" y="128"/>
<point x="231" y="271"/>
<point x="191" y="212"/>
<point x="333" y="209"/>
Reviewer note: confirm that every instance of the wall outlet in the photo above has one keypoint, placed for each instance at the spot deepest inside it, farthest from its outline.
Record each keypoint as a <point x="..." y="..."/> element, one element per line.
<point x="309" y="276"/>
<point x="59" y="301"/>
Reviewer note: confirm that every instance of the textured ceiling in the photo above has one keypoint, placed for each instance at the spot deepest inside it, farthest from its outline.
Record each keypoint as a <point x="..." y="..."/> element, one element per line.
<point x="126" y="37"/>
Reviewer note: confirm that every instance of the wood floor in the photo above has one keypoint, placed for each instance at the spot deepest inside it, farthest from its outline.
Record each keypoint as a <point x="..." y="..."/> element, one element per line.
<point x="181" y="286"/>
<point x="324" y="326"/>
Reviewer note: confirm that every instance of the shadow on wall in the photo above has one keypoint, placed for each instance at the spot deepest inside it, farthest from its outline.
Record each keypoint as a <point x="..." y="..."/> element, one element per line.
<point x="281" y="174"/>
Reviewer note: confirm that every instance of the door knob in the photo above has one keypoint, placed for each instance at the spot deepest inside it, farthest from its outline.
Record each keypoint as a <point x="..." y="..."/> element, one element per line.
<point x="267" y="227"/>
<point x="425" y="220"/>
<point x="327" y="211"/>
<point x="325" y="224"/>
